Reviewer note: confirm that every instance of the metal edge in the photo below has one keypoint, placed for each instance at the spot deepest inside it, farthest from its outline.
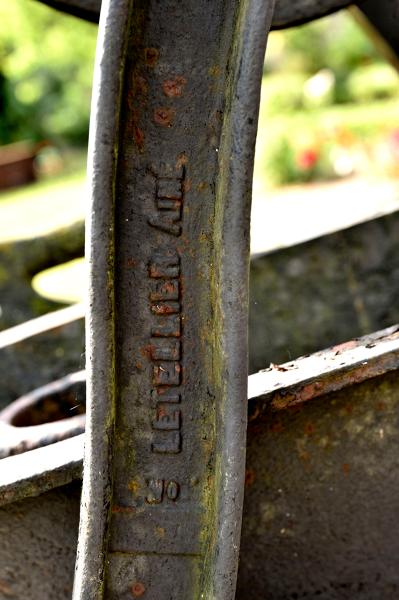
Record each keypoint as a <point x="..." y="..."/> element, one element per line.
<point x="107" y="85"/>
<point x="231" y="315"/>
<point x="40" y="470"/>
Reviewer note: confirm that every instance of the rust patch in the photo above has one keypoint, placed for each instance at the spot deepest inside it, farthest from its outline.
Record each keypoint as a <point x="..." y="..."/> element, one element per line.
<point x="151" y="56"/>
<point x="214" y="71"/>
<point x="186" y="185"/>
<point x="134" y="486"/>
<point x="138" y="589"/>
<point x="173" y="88"/>
<point x="345" y="346"/>
<point x="123" y="509"/>
<point x="276" y="427"/>
<point x="345" y="468"/>
<point x="310" y="428"/>
<point x="6" y="590"/>
<point x="202" y="186"/>
<point x="181" y="161"/>
<point x="249" y="477"/>
<point x="160" y="531"/>
<point x="140" y="86"/>
<point x="147" y="351"/>
<point x="164" y="116"/>
<point x="138" y="135"/>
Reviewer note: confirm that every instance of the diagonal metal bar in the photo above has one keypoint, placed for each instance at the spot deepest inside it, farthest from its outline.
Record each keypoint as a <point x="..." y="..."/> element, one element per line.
<point x="172" y="142"/>
<point x="380" y="20"/>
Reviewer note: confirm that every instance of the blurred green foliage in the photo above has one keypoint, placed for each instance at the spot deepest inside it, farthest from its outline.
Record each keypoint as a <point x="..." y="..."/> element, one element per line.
<point x="46" y="63"/>
<point x="329" y="105"/>
<point x="335" y="43"/>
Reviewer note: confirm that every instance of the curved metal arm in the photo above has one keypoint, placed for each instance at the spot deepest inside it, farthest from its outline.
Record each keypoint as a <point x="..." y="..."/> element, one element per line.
<point x="172" y="143"/>
<point x="287" y="13"/>
<point x="23" y="423"/>
<point x="85" y="9"/>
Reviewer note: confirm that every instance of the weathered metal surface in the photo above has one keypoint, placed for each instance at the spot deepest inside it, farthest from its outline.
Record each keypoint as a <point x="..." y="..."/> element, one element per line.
<point x="38" y="544"/>
<point x="321" y="500"/>
<point x="344" y="285"/>
<point x="40" y="470"/>
<point x="283" y="386"/>
<point x="171" y="171"/>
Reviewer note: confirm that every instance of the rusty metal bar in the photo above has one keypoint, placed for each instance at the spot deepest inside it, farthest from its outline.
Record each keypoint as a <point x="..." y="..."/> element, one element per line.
<point x="172" y="142"/>
<point x="308" y="377"/>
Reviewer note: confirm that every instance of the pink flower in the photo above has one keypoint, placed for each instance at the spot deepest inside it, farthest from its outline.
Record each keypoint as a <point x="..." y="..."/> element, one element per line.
<point x="394" y="142"/>
<point x="307" y="159"/>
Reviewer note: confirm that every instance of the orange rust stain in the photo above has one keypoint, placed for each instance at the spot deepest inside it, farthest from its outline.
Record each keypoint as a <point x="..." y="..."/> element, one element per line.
<point x="186" y="185"/>
<point x="249" y="477"/>
<point x="345" y="346"/>
<point x="139" y="366"/>
<point x="5" y="589"/>
<point x="214" y="71"/>
<point x="123" y="509"/>
<point x="139" y="137"/>
<point x="345" y="468"/>
<point x="174" y="87"/>
<point x="138" y="589"/>
<point x="164" y="116"/>
<point x="160" y="531"/>
<point x="276" y="427"/>
<point x="131" y="263"/>
<point x="348" y="409"/>
<point x="381" y="406"/>
<point x="168" y="287"/>
<point x="140" y="86"/>
<point x="181" y="160"/>
<point x="151" y="56"/>
<point x="161" y="412"/>
<point x="147" y="351"/>
<point x="133" y="486"/>
<point x="162" y="309"/>
<point x="304" y="455"/>
<point x="310" y="391"/>
<point x="310" y="428"/>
